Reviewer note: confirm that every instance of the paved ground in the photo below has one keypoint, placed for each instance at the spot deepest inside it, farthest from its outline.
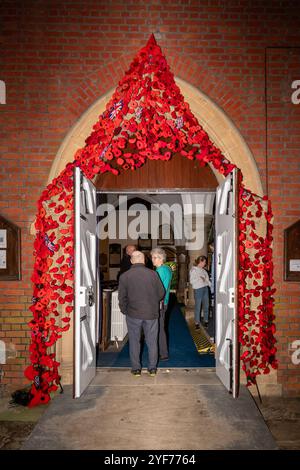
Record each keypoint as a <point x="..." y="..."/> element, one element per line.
<point x="282" y="415"/>
<point x="16" y="423"/>
<point x="178" y="409"/>
<point x="14" y="433"/>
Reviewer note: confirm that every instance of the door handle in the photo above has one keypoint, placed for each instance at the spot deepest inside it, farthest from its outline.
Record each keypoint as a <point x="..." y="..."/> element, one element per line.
<point x="231" y="292"/>
<point x="230" y="363"/>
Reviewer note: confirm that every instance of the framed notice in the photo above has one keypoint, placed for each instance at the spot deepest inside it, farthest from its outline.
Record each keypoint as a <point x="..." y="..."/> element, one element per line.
<point x="292" y="253"/>
<point x="3" y="259"/>
<point x="10" y="251"/>
<point x="165" y="235"/>
<point x="114" y="255"/>
<point x="3" y="238"/>
<point x="145" y="242"/>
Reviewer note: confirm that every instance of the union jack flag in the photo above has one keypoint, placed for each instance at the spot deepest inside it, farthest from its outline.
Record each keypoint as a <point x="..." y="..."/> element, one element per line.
<point x="49" y="244"/>
<point x="139" y="112"/>
<point x="102" y="154"/>
<point x="179" y="122"/>
<point x="37" y="381"/>
<point x="115" y="109"/>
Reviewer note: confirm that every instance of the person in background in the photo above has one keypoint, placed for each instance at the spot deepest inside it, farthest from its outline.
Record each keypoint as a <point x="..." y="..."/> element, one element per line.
<point x="148" y="262"/>
<point x="200" y="283"/>
<point x="125" y="262"/>
<point x="165" y="273"/>
<point x="140" y="293"/>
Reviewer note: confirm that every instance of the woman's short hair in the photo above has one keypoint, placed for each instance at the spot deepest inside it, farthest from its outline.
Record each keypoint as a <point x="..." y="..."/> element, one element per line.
<point x="160" y="253"/>
<point x="200" y="258"/>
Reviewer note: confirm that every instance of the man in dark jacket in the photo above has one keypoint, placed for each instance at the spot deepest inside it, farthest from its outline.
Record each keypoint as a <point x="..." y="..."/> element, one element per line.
<point x="140" y="292"/>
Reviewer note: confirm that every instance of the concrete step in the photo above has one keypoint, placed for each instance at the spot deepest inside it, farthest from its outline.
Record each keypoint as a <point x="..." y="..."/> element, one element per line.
<point x="119" y="377"/>
<point x="182" y="409"/>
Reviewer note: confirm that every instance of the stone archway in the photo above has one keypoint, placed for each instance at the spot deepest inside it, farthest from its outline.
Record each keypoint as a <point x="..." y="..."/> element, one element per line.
<point x="215" y="122"/>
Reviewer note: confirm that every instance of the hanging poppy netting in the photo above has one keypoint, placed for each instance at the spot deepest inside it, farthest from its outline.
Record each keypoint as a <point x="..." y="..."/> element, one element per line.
<point x="256" y="318"/>
<point x="53" y="285"/>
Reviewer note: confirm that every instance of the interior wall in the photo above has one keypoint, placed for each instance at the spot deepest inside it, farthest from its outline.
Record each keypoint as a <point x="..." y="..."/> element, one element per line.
<point x="177" y="173"/>
<point x="206" y="200"/>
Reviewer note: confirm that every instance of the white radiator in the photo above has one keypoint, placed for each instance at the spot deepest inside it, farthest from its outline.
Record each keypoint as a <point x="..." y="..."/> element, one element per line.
<point x="118" y="329"/>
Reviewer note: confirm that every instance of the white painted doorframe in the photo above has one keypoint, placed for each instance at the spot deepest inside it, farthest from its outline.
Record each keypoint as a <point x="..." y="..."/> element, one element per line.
<point x="232" y="349"/>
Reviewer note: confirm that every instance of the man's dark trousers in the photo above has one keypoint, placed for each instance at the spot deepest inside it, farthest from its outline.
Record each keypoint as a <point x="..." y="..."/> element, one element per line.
<point x="150" y="327"/>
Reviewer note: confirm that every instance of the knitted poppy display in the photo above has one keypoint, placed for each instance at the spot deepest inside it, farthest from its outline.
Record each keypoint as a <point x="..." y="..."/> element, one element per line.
<point x="146" y="118"/>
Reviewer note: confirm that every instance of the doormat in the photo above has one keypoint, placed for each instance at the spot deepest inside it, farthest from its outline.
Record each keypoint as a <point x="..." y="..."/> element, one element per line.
<point x="203" y="344"/>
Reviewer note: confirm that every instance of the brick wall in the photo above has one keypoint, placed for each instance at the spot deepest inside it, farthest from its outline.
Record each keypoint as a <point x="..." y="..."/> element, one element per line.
<point x="59" y="57"/>
<point x="283" y="67"/>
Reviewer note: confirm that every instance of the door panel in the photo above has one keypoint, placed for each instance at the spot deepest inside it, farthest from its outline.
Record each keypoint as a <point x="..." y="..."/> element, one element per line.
<point x="226" y="259"/>
<point x="85" y="292"/>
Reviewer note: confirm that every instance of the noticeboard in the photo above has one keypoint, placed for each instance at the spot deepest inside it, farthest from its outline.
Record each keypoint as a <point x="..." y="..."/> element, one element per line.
<point x="292" y="253"/>
<point x="10" y="251"/>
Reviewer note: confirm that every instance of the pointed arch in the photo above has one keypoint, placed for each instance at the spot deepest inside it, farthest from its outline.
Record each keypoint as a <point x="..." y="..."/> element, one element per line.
<point x="220" y="128"/>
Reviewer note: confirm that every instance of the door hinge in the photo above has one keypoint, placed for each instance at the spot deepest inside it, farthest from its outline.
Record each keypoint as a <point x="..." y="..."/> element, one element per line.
<point x="86" y="296"/>
<point x="82" y="296"/>
<point x="91" y="296"/>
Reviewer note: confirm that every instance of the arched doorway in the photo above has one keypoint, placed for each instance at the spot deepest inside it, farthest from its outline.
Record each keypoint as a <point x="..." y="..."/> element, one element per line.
<point x="221" y="131"/>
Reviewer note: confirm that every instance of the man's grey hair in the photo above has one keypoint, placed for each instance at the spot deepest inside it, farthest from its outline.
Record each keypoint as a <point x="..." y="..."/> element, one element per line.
<point x="137" y="257"/>
<point x="160" y="253"/>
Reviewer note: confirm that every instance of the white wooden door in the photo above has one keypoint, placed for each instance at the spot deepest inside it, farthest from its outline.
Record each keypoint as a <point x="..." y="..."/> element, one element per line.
<point x="226" y="272"/>
<point x="85" y="289"/>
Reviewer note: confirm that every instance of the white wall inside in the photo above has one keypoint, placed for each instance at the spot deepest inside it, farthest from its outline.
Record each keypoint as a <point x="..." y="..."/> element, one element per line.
<point x="206" y="200"/>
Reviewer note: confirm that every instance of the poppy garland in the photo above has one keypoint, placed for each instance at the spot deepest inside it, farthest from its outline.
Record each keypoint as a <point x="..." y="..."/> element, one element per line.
<point x="256" y="291"/>
<point x="146" y="118"/>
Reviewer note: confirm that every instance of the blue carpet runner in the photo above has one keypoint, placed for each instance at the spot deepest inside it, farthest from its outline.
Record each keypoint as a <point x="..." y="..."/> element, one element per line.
<point x="182" y="349"/>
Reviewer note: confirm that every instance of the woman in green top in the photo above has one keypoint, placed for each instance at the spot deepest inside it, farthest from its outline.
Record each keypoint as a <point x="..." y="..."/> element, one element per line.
<point x="158" y="256"/>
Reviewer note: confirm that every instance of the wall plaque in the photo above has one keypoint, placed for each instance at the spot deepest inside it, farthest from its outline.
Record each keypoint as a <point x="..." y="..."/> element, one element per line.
<point x="10" y="251"/>
<point x="292" y="253"/>
<point x="114" y="255"/>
